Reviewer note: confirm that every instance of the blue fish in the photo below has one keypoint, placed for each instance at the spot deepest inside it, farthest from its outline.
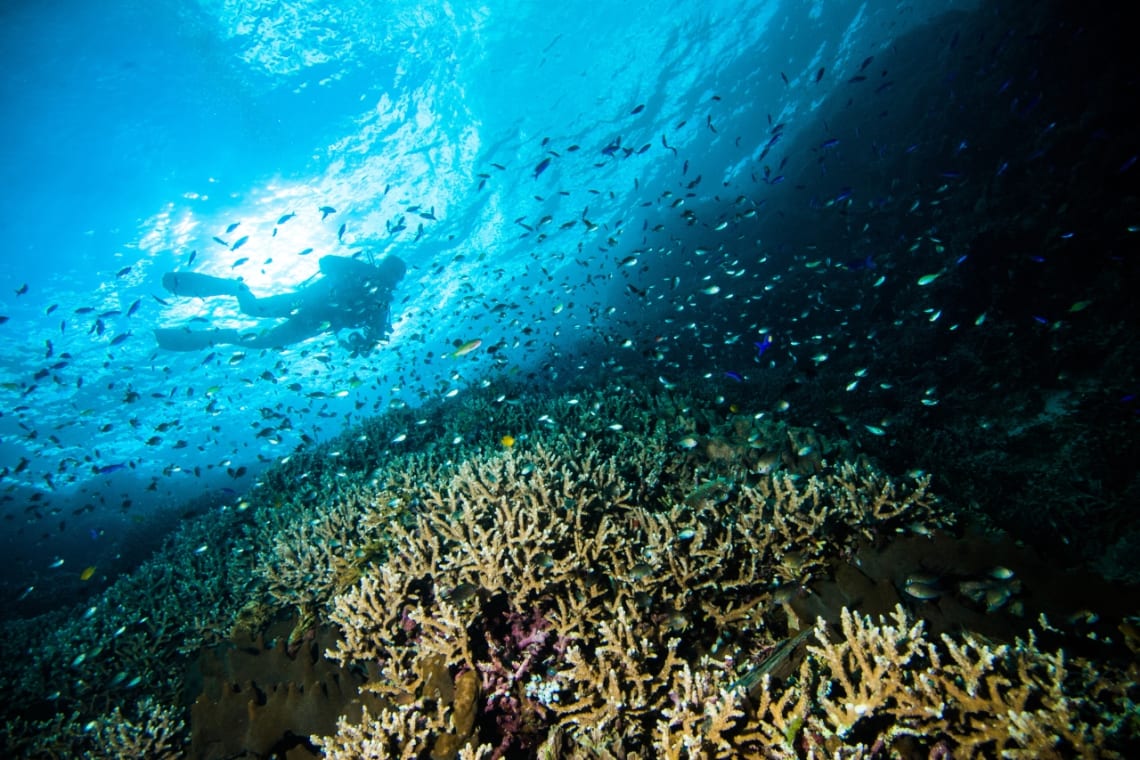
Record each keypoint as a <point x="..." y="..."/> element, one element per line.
<point x="762" y="346"/>
<point x="541" y="167"/>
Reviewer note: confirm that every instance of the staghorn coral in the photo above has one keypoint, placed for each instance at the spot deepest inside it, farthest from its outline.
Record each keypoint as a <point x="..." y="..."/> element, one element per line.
<point x="570" y="590"/>
<point x="156" y="734"/>
<point x="882" y="681"/>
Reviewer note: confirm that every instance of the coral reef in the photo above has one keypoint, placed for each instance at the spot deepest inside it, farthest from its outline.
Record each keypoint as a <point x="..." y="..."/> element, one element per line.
<point x="637" y="574"/>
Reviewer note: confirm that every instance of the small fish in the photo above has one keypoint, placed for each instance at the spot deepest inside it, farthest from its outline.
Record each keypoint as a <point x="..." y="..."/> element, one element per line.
<point x="123" y="272"/>
<point x="134" y="308"/>
<point x="239" y="262"/>
<point x="928" y="278"/>
<point x="762" y="346"/>
<point x="688" y="443"/>
<point x="340" y="232"/>
<point x="711" y="290"/>
<point x="819" y="74"/>
<point x="507" y="440"/>
<point x="638" y="109"/>
<point x="464" y="349"/>
<point x="325" y="211"/>
<point x="923" y="591"/>
<point x="285" y="217"/>
<point x="87" y="573"/>
<point x="541" y="167"/>
<point x="232" y="227"/>
<point x="239" y="242"/>
<point x="22" y="290"/>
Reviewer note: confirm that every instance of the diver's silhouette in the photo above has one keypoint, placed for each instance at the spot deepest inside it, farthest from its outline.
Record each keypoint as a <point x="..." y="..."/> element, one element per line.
<point x="351" y="294"/>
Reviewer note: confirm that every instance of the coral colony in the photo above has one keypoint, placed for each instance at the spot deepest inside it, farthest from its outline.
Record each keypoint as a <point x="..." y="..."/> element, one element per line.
<point x="639" y="573"/>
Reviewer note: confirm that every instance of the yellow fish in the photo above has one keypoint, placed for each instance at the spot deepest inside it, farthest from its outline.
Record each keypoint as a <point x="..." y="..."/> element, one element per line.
<point x="466" y="348"/>
<point x="87" y="573"/>
<point x="508" y="440"/>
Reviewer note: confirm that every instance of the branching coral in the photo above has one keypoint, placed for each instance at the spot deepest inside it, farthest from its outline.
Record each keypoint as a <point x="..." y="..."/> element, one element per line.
<point x="156" y="734"/>
<point x="570" y="590"/>
<point x="881" y="681"/>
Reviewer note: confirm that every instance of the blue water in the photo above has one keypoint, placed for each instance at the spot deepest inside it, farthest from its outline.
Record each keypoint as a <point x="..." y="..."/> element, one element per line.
<point x="139" y="132"/>
<point x="720" y="173"/>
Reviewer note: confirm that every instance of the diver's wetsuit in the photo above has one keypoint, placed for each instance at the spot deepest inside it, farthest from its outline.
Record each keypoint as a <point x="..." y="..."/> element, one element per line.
<point x="351" y="294"/>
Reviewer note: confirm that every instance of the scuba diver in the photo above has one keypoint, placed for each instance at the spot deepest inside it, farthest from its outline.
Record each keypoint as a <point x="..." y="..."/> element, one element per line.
<point x="350" y="295"/>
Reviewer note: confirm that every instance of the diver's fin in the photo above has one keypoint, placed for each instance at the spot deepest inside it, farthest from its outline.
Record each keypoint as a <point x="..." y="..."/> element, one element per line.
<point x="185" y="339"/>
<point x="200" y="285"/>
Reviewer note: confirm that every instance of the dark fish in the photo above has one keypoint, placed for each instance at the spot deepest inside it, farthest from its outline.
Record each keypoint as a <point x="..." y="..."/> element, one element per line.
<point x="785" y="78"/>
<point x="541" y="167"/>
<point x="325" y="211"/>
<point x="866" y="62"/>
<point x="340" y="232"/>
<point x="134" y="307"/>
<point x="613" y="147"/>
<point x="118" y="339"/>
<point x="239" y="262"/>
<point x="107" y="469"/>
<point x="123" y="272"/>
<point x="51" y="308"/>
<point x="857" y="78"/>
<point x="239" y="242"/>
<point x="190" y="260"/>
<point x="855" y="265"/>
<point x="3" y="320"/>
<point x="285" y="218"/>
<point x="829" y="143"/>
<point x="819" y="74"/>
<point x="22" y="289"/>
<point x="734" y="376"/>
<point x="638" y="109"/>
<point x="219" y="241"/>
<point x="232" y="227"/>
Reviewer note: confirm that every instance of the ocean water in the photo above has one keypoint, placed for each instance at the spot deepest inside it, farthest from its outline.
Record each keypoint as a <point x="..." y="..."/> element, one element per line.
<point x="896" y="234"/>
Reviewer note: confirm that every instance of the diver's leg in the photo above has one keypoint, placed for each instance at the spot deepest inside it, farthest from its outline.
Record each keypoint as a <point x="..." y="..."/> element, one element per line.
<point x="277" y="307"/>
<point x="201" y="285"/>
<point x="185" y="339"/>
<point x="288" y="332"/>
